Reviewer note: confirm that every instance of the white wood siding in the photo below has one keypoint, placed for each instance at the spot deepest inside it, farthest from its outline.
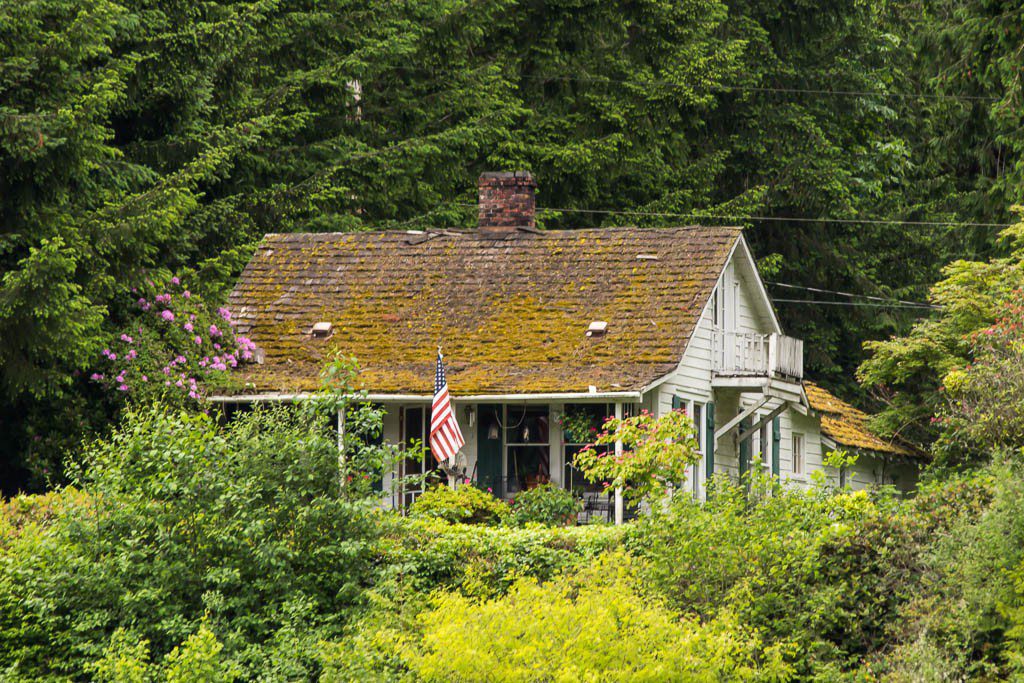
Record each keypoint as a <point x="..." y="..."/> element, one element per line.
<point x="692" y="382"/>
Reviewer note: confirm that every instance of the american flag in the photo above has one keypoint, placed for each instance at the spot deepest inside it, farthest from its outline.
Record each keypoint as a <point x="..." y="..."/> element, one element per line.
<point x="445" y="435"/>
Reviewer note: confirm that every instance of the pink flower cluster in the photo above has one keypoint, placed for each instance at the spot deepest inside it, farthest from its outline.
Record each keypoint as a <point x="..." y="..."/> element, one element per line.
<point x="190" y="361"/>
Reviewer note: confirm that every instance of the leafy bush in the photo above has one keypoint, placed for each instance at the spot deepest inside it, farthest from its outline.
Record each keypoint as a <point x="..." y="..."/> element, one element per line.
<point x="465" y="505"/>
<point x="175" y="346"/>
<point x="657" y="452"/>
<point x="126" y="660"/>
<point x="963" y="613"/>
<point x="591" y="625"/>
<point x="243" y="523"/>
<point x="418" y="556"/>
<point x="798" y="566"/>
<point x="547" y="504"/>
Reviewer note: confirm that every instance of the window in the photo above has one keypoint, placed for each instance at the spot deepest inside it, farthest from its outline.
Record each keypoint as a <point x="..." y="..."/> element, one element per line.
<point x="581" y="423"/>
<point x="764" y="437"/>
<point x="698" y="422"/>
<point x="527" y="449"/>
<point x="798" y="454"/>
<point x="414" y="426"/>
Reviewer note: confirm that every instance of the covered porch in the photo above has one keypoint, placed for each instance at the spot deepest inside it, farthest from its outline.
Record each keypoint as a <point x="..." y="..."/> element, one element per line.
<point x="513" y="444"/>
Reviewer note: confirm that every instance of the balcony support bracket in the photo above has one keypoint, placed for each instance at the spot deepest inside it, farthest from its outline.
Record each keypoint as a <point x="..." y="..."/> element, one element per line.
<point x="747" y="433"/>
<point x="731" y="424"/>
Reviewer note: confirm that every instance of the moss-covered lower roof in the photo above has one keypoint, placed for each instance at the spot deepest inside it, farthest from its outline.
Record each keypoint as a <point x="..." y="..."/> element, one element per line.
<point x="511" y="313"/>
<point x="848" y="426"/>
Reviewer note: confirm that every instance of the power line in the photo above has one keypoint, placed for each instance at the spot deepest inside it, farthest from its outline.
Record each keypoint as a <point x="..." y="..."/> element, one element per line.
<point x="776" y="90"/>
<point x="780" y="219"/>
<point x="870" y="304"/>
<point x="851" y="295"/>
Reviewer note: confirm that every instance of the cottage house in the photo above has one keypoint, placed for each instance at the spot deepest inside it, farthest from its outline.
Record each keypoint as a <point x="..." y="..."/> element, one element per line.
<point x="544" y="334"/>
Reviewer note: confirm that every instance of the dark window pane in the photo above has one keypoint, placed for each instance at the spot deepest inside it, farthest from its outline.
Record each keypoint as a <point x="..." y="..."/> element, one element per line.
<point x="576" y="414"/>
<point x="528" y="466"/>
<point x="527" y="425"/>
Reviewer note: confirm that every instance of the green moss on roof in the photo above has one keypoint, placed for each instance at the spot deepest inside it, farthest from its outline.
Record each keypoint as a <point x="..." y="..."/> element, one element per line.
<point x="848" y="426"/>
<point x="511" y="313"/>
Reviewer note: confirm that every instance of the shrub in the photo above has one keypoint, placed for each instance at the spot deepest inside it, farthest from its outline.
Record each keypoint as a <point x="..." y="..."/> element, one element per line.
<point x="657" y="452"/>
<point x="418" y="556"/>
<point x="798" y="566"/>
<point x="592" y="625"/>
<point x="126" y="660"/>
<point x="465" y="505"/>
<point x="547" y="504"/>
<point x="242" y="522"/>
<point x="173" y="349"/>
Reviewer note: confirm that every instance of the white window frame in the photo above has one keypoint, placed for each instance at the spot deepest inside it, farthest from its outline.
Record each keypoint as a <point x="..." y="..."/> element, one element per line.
<point x="799" y="454"/>
<point x="764" y="438"/>
<point x="697" y="469"/>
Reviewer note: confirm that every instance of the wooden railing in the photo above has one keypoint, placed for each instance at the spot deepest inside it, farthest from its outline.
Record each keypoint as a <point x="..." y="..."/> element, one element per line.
<point x="748" y="353"/>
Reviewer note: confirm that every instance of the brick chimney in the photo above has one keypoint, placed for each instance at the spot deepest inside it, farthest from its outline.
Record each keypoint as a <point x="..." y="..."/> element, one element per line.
<point x="506" y="202"/>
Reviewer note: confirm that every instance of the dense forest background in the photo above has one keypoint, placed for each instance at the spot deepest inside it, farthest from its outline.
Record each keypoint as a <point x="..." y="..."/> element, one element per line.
<point x="866" y="145"/>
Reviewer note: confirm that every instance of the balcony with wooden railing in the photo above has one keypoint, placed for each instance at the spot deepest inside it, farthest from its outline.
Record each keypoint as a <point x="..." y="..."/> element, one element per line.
<point x="748" y="354"/>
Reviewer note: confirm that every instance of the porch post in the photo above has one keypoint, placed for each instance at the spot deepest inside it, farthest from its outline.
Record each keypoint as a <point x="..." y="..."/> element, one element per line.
<point x="619" y="505"/>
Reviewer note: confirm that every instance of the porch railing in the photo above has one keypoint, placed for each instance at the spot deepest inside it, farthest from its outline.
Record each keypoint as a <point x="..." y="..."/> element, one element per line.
<point x="597" y="507"/>
<point x="748" y="353"/>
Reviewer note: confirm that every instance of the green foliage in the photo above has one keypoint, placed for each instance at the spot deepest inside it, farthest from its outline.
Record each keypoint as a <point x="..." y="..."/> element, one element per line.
<point x="801" y="567"/>
<point x="909" y="371"/>
<point x="579" y="426"/>
<point x="969" y="530"/>
<point x="202" y="551"/>
<point x="198" y="659"/>
<point x="243" y="523"/>
<point x="420" y="555"/>
<point x="985" y="399"/>
<point x="592" y="625"/>
<point x="466" y="505"/>
<point x="656" y="453"/>
<point x="546" y="504"/>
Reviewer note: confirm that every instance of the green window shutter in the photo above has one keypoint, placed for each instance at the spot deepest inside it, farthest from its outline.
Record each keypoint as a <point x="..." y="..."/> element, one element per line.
<point x="488" y="451"/>
<point x="744" y="448"/>
<point x="776" y="443"/>
<point x="709" y="457"/>
<point x="677" y="403"/>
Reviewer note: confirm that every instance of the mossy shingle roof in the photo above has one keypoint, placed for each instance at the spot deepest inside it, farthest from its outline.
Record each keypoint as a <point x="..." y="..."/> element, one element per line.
<point x="511" y="313"/>
<point x="848" y="426"/>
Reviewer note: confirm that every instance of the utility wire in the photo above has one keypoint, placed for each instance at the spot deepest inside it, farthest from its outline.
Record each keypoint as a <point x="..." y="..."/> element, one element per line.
<point x="851" y="295"/>
<point x="870" y="304"/>
<point x="779" y="219"/>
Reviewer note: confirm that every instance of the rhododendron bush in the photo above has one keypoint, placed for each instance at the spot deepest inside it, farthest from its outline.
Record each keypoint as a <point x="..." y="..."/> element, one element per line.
<point x="174" y="349"/>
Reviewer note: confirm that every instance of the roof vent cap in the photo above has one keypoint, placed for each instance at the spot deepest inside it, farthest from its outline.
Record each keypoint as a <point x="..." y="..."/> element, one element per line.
<point x="646" y="257"/>
<point x="597" y="328"/>
<point x="321" y="329"/>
